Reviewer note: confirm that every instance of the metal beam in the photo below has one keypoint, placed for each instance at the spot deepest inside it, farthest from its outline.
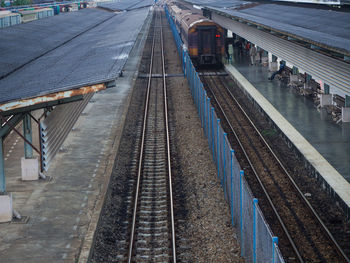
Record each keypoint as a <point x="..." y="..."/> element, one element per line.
<point x="332" y="71"/>
<point x="24" y="103"/>
<point x="347" y="101"/>
<point x="280" y="32"/>
<point x="4" y="131"/>
<point x="42" y="105"/>
<point x="27" y="133"/>
<point x="2" y="168"/>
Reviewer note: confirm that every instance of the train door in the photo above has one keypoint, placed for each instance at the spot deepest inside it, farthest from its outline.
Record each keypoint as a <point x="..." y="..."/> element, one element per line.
<point x="206" y="44"/>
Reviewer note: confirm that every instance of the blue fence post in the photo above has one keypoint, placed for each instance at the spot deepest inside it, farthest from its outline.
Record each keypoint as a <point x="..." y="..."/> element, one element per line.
<point x="208" y="115"/>
<point x="255" y="204"/>
<point x="205" y="113"/>
<point x="197" y="88"/>
<point x="212" y="131"/>
<point x="195" y="79"/>
<point x="186" y="65"/>
<point x="197" y="91"/>
<point x="194" y="87"/>
<point x="200" y="101"/>
<point x="231" y="173"/>
<point x="218" y="147"/>
<point x="241" y="207"/>
<point x="224" y="166"/>
<point x="274" y="242"/>
<point x="183" y="63"/>
<point x="190" y="72"/>
<point x="204" y="99"/>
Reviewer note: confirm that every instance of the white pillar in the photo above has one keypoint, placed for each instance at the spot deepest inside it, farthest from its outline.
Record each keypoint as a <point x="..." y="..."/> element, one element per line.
<point x="325" y="99"/>
<point x="345" y="114"/>
<point x="30" y="169"/>
<point x="273" y="66"/>
<point x="270" y="56"/>
<point x="5" y="208"/>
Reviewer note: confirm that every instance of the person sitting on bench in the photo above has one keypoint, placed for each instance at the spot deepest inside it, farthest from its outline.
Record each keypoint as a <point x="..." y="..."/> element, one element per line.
<point x="282" y="67"/>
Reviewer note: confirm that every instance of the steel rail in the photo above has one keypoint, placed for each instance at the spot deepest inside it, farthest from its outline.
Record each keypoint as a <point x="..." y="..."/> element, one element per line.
<point x="168" y="145"/>
<point x="295" y="249"/>
<point x="141" y="152"/>
<point x="143" y="145"/>
<point x="308" y="205"/>
<point x="296" y="187"/>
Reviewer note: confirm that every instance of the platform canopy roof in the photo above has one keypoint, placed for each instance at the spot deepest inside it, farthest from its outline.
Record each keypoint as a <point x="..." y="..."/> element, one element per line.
<point x="22" y="43"/>
<point x="84" y="55"/>
<point x="328" y="29"/>
<point x="125" y="5"/>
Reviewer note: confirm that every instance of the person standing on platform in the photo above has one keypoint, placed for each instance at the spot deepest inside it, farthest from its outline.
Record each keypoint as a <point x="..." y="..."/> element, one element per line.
<point x="252" y="53"/>
<point x="282" y="68"/>
<point x="247" y="47"/>
<point x="240" y="47"/>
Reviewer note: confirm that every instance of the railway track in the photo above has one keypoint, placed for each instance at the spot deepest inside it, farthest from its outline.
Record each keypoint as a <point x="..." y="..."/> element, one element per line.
<point x="152" y="234"/>
<point x="303" y="236"/>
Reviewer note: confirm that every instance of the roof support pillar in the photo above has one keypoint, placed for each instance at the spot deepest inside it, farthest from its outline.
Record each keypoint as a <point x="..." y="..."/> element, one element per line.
<point x="326" y="88"/>
<point x="2" y="168"/>
<point x="345" y="111"/>
<point x="347" y="101"/>
<point x="308" y="78"/>
<point x="27" y="132"/>
<point x="295" y="70"/>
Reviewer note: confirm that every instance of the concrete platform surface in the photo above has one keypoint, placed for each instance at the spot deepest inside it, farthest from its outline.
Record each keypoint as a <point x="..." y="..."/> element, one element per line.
<point x="63" y="212"/>
<point x="335" y="180"/>
<point x="60" y="210"/>
<point x="329" y="139"/>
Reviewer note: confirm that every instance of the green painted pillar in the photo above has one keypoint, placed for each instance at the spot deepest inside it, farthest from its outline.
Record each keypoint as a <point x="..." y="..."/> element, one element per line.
<point x="347" y="101"/>
<point x="27" y="132"/>
<point x="326" y="88"/>
<point x="308" y="78"/>
<point x="295" y="70"/>
<point x="2" y="168"/>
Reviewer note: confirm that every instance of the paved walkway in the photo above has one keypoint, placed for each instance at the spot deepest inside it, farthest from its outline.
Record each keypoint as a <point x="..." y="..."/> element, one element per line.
<point x="331" y="140"/>
<point x="63" y="212"/>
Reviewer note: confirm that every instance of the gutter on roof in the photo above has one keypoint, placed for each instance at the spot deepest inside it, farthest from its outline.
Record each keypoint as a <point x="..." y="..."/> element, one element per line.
<point x="310" y="41"/>
<point x="50" y="97"/>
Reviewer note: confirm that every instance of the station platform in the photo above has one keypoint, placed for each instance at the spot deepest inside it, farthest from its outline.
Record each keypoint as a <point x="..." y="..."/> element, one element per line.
<point x="60" y="215"/>
<point x="325" y="145"/>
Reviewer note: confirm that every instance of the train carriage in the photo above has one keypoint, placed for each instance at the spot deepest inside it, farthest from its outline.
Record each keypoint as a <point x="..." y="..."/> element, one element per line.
<point x="203" y="38"/>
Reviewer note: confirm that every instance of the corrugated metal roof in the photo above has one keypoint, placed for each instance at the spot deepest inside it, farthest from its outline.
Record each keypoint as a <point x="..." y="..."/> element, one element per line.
<point x="22" y="43"/>
<point x="125" y="5"/>
<point x="94" y="57"/>
<point x="218" y="3"/>
<point x="326" y="27"/>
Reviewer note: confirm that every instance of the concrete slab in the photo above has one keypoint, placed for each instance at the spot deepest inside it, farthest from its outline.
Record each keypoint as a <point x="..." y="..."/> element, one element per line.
<point x="331" y="176"/>
<point x="325" y="99"/>
<point x="345" y="114"/>
<point x="5" y="208"/>
<point x="63" y="212"/>
<point x="273" y="66"/>
<point x="30" y="169"/>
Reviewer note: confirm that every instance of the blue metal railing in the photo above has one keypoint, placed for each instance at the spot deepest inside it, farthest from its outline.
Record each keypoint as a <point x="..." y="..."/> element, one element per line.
<point x="258" y="244"/>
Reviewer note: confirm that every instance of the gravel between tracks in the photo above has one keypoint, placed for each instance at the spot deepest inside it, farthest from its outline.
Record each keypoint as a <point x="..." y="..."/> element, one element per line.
<point x="207" y="227"/>
<point x="202" y="217"/>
